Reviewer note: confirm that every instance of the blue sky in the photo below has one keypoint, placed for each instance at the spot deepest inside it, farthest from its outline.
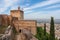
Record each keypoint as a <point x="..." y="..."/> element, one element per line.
<point x="33" y="9"/>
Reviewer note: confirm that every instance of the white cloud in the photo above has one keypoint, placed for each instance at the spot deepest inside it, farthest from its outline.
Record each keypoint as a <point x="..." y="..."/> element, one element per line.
<point x="14" y="7"/>
<point x="41" y="4"/>
<point x="7" y="3"/>
<point x="28" y="11"/>
<point x="54" y="6"/>
<point x="43" y="15"/>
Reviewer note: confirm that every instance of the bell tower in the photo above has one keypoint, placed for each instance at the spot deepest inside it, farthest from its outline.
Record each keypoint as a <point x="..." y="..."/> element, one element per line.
<point x="17" y="14"/>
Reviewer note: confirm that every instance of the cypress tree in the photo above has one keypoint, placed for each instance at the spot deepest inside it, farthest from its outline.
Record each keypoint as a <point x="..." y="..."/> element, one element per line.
<point x="45" y="29"/>
<point x="52" y="30"/>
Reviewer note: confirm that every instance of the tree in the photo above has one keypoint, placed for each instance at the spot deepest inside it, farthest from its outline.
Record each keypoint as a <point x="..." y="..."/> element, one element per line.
<point x="52" y="30"/>
<point x="40" y="33"/>
<point x="45" y="29"/>
<point x="45" y="37"/>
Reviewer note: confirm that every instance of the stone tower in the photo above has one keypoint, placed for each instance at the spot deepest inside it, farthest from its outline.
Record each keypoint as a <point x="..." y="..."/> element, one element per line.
<point x="17" y="14"/>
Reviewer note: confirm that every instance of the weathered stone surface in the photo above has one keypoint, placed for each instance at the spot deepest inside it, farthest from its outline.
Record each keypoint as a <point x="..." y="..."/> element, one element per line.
<point x="26" y="24"/>
<point x="17" y="13"/>
<point x="4" y="20"/>
<point x="16" y="19"/>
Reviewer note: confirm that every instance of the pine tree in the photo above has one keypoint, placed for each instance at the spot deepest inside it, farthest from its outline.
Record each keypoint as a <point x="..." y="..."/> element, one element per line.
<point x="52" y="30"/>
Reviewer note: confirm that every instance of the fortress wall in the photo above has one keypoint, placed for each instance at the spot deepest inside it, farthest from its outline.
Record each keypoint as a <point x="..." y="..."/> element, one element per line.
<point x="26" y="24"/>
<point x="4" y="20"/>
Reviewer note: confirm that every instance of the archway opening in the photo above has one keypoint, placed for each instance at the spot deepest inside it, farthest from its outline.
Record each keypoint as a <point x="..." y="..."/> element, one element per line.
<point x="20" y="31"/>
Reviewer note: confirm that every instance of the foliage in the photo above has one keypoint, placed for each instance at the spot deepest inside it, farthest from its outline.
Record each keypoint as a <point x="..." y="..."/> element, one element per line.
<point x="40" y="34"/>
<point x="14" y="30"/>
<point x="52" y="30"/>
<point x="2" y="29"/>
<point x="45" y="31"/>
<point x="43" y="35"/>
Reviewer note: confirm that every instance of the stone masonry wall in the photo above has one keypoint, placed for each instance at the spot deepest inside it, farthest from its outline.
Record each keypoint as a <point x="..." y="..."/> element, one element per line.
<point x="26" y="24"/>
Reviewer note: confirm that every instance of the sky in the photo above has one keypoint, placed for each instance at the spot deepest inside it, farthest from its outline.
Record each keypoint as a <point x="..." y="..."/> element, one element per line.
<point x="33" y="9"/>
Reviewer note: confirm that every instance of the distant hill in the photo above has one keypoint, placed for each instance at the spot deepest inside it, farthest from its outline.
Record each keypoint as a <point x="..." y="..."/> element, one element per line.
<point x="57" y="21"/>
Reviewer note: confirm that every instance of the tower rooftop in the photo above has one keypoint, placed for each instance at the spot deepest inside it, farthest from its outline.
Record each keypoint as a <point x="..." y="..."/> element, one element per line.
<point x="17" y="10"/>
